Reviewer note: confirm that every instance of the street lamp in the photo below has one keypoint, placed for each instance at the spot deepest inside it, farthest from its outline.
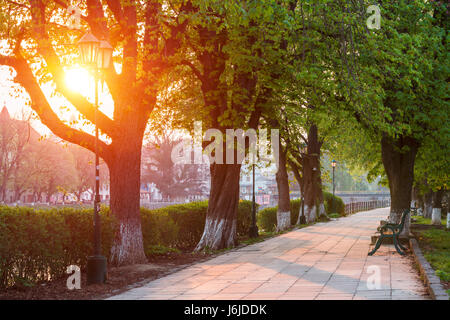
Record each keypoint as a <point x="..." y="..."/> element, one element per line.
<point x="88" y="46"/>
<point x="104" y="55"/>
<point x="303" y="151"/>
<point x="333" y="164"/>
<point x="253" y="232"/>
<point x="96" y="55"/>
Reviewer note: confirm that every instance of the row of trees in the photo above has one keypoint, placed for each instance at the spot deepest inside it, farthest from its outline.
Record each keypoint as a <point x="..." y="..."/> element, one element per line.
<point x="171" y="179"/>
<point x="42" y="167"/>
<point x="312" y="69"/>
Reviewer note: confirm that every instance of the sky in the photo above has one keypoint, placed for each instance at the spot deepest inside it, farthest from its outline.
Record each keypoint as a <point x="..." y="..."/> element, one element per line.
<point x="16" y="99"/>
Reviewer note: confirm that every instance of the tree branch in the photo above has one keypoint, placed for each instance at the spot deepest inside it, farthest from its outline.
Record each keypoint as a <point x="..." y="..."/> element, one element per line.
<point x="194" y="69"/>
<point x="48" y="117"/>
<point x="51" y="58"/>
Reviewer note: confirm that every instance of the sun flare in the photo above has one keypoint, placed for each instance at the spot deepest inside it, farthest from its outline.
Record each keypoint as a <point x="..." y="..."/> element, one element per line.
<point x="79" y="80"/>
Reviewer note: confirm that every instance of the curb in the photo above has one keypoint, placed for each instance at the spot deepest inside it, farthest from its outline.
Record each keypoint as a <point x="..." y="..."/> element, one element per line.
<point x="430" y="279"/>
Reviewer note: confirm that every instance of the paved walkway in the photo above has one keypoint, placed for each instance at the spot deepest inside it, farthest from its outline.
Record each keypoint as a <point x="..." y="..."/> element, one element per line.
<point x="323" y="261"/>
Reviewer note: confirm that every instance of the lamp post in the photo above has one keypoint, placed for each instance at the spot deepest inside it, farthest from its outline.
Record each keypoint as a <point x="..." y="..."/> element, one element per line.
<point x="303" y="150"/>
<point x="97" y="55"/>
<point x="253" y="232"/>
<point x="333" y="165"/>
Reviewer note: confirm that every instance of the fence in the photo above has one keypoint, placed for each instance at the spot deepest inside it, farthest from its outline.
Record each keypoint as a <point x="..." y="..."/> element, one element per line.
<point x="354" y="207"/>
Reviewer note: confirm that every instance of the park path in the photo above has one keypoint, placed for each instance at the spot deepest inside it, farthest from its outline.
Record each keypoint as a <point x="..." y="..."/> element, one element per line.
<point x="323" y="261"/>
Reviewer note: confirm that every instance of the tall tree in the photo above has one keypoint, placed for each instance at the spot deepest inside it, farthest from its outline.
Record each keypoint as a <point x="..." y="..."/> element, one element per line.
<point x="400" y="71"/>
<point x="144" y="34"/>
<point x="232" y="53"/>
<point x="15" y="138"/>
<point x="172" y="180"/>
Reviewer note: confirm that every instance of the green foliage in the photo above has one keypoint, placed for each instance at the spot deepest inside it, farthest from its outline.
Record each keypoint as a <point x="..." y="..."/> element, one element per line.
<point x="244" y="220"/>
<point x="38" y="245"/>
<point x="333" y="204"/>
<point x="158" y="250"/>
<point x="267" y="217"/>
<point x="436" y="246"/>
<point x="158" y="228"/>
<point x="432" y="167"/>
<point x="295" y="210"/>
<point x="422" y="220"/>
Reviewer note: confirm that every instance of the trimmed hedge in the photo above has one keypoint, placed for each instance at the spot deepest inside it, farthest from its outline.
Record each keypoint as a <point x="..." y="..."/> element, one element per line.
<point x="185" y="223"/>
<point x="333" y="204"/>
<point x="267" y="218"/>
<point x="38" y="245"/>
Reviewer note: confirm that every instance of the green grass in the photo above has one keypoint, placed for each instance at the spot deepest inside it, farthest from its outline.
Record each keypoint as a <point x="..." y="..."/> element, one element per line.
<point x="435" y="244"/>
<point x="422" y="220"/>
<point x="160" y="250"/>
<point x="263" y="235"/>
<point x="437" y="251"/>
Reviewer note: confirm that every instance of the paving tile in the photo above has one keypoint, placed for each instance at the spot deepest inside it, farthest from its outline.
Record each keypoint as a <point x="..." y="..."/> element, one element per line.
<point x="190" y="297"/>
<point x="221" y="296"/>
<point x="332" y="296"/>
<point x="262" y="296"/>
<point x="158" y="297"/>
<point x="246" y="287"/>
<point x="324" y="261"/>
<point x="305" y="296"/>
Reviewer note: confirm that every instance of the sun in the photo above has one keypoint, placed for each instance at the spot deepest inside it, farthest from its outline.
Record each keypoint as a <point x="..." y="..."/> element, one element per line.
<point x="79" y="80"/>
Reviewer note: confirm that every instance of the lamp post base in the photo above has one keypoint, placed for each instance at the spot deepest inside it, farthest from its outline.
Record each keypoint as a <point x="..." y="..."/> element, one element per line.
<point x="253" y="232"/>
<point x="96" y="270"/>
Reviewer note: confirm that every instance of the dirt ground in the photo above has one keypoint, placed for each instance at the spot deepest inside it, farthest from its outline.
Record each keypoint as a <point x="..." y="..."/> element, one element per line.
<point x="119" y="280"/>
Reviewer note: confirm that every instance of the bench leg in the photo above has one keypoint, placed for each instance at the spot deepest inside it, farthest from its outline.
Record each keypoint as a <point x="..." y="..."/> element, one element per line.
<point x="377" y="245"/>
<point x="397" y="246"/>
<point x="401" y="246"/>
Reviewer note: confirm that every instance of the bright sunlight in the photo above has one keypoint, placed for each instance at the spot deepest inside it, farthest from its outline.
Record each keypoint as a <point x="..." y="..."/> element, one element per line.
<point x="79" y="80"/>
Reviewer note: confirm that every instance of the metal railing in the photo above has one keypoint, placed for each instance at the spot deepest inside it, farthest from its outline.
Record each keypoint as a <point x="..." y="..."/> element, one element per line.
<point x="354" y="207"/>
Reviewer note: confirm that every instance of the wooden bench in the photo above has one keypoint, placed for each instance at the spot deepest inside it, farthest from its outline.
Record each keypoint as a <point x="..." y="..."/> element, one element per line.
<point x="396" y="229"/>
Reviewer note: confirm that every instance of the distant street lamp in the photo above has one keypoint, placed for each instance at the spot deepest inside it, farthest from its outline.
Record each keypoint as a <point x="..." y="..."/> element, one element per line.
<point x="253" y="232"/>
<point x="97" y="55"/>
<point x="333" y="164"/>
<point x="303" y="151"/>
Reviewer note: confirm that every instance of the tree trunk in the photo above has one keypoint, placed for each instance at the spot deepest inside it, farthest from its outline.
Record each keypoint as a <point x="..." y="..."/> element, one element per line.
<point x="3" y="192"/>
<point x="128" y="247"/>
<point x="415" y="197"/>
<point x="428" y="205"/>
<point x="321" y="206"/>
<point x="284" y="204"/>
<point x="399" y="167"/>
<point x="298" y="177"/>
<point x="221" y="217"/>
<point x="437" y="207"/>
<point x="311" y="177"/>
